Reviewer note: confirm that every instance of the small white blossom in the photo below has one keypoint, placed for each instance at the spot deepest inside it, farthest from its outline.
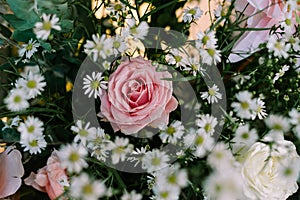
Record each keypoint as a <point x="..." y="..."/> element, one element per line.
<point x="244" y="137"/>
<point x="82" y="187"/>
<point x="72" y="157"/>
<point x="33" y="84"/>
<point x="281" y="73"/>
<point x="155" y="160"/>
<point x="11" y="123"/>
<point x="210" y="55"/>
<point x="17" y="100"/>
<point x="131" y="196"/>
<point x="207" y="123"/>
<point x="137" y="32"/>
<point x="31" y="128"/>
<point x="172" y="133"/>
<point x="43" y="29"/>
<point x="278" y="125"/>
<point x="94" y="84"/>
<point x="29" y="49"/>
<point x="34" y="145"/>
<point x="120" y="148"/>
<point x="190" y="14"/>
<point x="212" y="95"/>
<point x="177" y="58"/>
<point x="245" y="106"/>
<point x="278" y="47"/>
<point x="206" y="39"/>
<point x="99" y="48"/>
<point x="259" y="109"/>
<point x="84" y="133"/>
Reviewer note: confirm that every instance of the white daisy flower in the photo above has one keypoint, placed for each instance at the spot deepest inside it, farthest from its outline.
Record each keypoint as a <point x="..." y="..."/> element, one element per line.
<point x="82" y="187"/>
<point x="177" y="58"/>
<point x="172" y="133"/>
<point x="206" y="123"/>
<point x="119" y="45"/>
<point x="34" y="145"/>
<point x="29" y="49"/>
<point x="31" y="128"/>
<point x="137" y="32"/>
<point x="11" y="123"/>
<point x="278" y="125"/>
<point x="33" y="84"/>
<point x="246" y="104"/>
<point x="240" y="78"/>
<point x="16" y="100"/>
<point x="212" y="95"/>
<point x="84" y="133"/>
<point x="137" y="155"/>
<point x="131" y="196"/>
<point x="72" y="157"/>
<point x="190" y="14"/>
<point x="120" y="148"/>
<point x="199" y="142"/>
<point x="221" y="158"/>
<point x="294" y="117"/>
<point x="194" y="66"/>
<point x="281" y="73"/>
<point x="259" y="109"/>
<point x="155" y="160"/>
<point x="172" y="176"/>
<point x="94" y="84"/>
<point x="99" y="47"/>
<point x="244" y="137"/>
<point x="42" y="30"/>
<point x="210" y="56"/>
<point x="206" y="39"/>
<point x="166" y="192"/>
<point x="278" y="47"/>
<point x="290" y="170"/>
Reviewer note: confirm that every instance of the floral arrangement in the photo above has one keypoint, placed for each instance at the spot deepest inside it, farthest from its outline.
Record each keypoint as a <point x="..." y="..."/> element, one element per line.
<point x="159" y="100"/>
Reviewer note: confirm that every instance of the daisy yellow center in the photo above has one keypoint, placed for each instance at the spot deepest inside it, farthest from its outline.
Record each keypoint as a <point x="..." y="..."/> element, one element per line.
<point x="118" y="7"/>
<point x="133" y="30"/>
<point x="205" y="39"/>
<point x="99" y="46"/>
<point x="83" y="133"/>
<point x="164" y="194"/>
<point x="218" y="188"/>
<point x="170" y="130"/>
<point x="95" y="85"/>
<point x="29" y="47"/>
<point x="277" y="127"/>
<point x="17" y="99"/>
<point x="177" y="58"/>
<point x="33" y="143"/>
<point x="119" y="150"/>
<point x="172" y="179"/>
<point x="47" y="26"/>
<point x="155" y="161"/>
<point x="199" y="140"/>
<point x="194" y="67"/>
<point x="31" y="84"/>
<point x="211" y="92"/>
<point x="31" y="129"/>
<point x="211" y="52"/>
<point x="245" y="135"/>
<point x="244" y="105"/>
<point x="117" y="44"/>
<point x="192" y="11"/>
<point x="288" y="22"/>
<point x="288" y="172"/>
<point x="87" y="189"/>
<point x="207" y="127"/>
<point x="219" y="155"/>
<point x="278" y="46"/>
<point x="74" y="157"/>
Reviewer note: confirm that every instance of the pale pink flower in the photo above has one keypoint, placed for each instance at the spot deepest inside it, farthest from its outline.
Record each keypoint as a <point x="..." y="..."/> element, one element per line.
<point x="137" y="96"/>
<point x="51" y="179"/>
<point x="261" y="14"/>
<point x="11" y="171"/>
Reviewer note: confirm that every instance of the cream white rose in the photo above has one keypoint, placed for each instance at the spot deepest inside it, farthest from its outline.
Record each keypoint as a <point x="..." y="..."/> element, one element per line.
<point x="261" y="171"/>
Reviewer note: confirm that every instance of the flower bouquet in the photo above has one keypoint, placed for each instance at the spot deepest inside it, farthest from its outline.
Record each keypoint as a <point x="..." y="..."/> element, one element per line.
<point x="162" y="100"/>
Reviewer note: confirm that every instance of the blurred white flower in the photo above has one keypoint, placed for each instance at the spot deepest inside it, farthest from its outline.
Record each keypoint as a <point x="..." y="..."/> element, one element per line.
<point x="72" y="157"/>
<point x="83" y="187"/>
<point x="281" y="72"/>
<point x="120" y="148"/>
<point x="131" y="196"/>
<point x="206" y="123"/>
<point x="245" y="106"/>
<point x="155" y="160"/>
<point x="28" y="49"/>
<point x="31" y="128"/>
<point x="210" y="55"/>
<point x="172" y="133"/>
<point x="16" y="100"/>
<point x="278" y="47"/>
<point x="42" y="29"/>
<point x="137" y="32"/>
<point x="190" y="14"/>
<point x="84" y="133"/>
<point x="99" y="48"/>
<point x="33" y="84"/>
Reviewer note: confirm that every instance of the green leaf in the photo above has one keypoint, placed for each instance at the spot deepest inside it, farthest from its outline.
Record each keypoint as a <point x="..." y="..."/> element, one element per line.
<point x="66" y="25"/>
<point x="10" y="135"/>
<point x="45" y="45"/>
<point x="23" y="36"/>
<point x="5" y="31"/>
<point x="17" y="23"/>
<point x="24" y="10"/>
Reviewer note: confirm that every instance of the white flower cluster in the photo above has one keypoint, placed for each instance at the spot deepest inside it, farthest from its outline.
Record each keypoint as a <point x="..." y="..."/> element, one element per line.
<point x="25" y="89"/>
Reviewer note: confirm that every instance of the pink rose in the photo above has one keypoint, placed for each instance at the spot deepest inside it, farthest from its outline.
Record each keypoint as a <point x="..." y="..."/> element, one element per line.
<point x="261" y="14"/>
<point x="137" y="96"/>
<point x="11" y="171"/>
<point x="51" y="179"/>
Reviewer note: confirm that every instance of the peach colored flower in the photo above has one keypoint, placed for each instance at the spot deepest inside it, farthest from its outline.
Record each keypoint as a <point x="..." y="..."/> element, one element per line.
<point x="261" y="14"/>
<point x="137" y="96"/>
<point x="51" y="179"/>
<point x="11" y="171"/>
